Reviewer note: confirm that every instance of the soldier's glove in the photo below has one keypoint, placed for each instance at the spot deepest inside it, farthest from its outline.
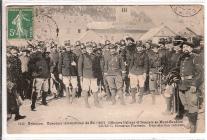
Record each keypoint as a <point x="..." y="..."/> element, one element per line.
<point x="73" y="63"/>
<point x="60" y="76"/>
<point x="192" y="89"/>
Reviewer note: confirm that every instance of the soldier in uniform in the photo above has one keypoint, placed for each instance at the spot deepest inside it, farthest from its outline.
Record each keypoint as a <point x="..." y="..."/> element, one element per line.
<point x="99" y="58"/>
<point x="122" y="49"/>
<point x="88" y="76"/>
<point x="114" y="72"/>
<point x="26" y="78"/>
<point x="138" y="70"/>
<point x="148" y="51"/>
<point x="79" y="49"/>
<point x="13" y="79"/>
<point x="106" y="54"/>
<point x="130" y="49"/>
<point x="54" y="81"/>
<point x="154" y="70"/>
<point x="190" y="72"/>
<point x="172" y="81"/>
<point x="67" y="69"/>
<point x="165" y="54"/>
<point x="41" y="75"/>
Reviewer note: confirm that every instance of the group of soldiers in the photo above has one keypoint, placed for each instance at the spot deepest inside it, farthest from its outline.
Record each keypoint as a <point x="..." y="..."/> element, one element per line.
<point x="172" y="68"/>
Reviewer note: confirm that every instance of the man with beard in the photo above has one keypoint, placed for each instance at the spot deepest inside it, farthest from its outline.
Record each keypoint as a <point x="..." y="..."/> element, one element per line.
<point x="88" y="75"/>
<point x="114" y="71"/>
<point x="173" y="79"/>
<point x="67" y="69"/>
<point x="129" y="52"/>
<point x="41" y="74"/>
<point x="190" y="72"/>
<point x="138" y="69"/>
<point x="13" y="79"/>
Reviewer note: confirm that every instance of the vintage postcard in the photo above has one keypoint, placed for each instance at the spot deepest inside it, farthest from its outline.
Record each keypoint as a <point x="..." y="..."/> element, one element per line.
<point x="104" y="69"/>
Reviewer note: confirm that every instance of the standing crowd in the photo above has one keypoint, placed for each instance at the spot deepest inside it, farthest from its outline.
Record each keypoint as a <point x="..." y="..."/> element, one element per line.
<point x="172" y="68"/>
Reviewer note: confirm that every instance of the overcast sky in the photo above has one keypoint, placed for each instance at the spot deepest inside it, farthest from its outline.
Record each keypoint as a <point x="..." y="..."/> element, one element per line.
<point x="164" y="14"/>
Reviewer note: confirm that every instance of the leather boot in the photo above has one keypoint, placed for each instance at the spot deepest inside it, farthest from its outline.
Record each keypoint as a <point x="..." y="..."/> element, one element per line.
<point x="34" y="98"/>
<point x="86" y="100"/>
<point x="141" y="93"/>
<point x="181" y="114"/>
<point x="120" y="93"/>
<point x="18" y="117"/>
<point x="113" y="95"/>
<point x="168" y="107"/>
<point x="193" y="122"/>
<point x="96" y="101"/>
<point x="133" y="98"/>
<point x="67" y="90"/>
<point x="44" y="96"/>
<point x="73" y="95"/>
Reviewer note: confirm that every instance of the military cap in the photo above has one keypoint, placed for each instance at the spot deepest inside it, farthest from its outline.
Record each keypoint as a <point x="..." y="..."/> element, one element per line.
<point x="14" y="48"/>
<point x="130" y="38"/>
<point x="107" y="42"/>
<point x="189" y="44"/>
<point x="90" y="46"/>
<point x="122" y="42"/>
<point x="155" y="45"/>
<point x="139" y="42"/>
<point x="67" y="42"/>
<point x="162" y="41"/>
<point x="26" y="50"/>
<point x="117" y="43"/>
<point x="178" y="40"/>
<point x="140" y="45"/>
<point x="149" y="41"/>
<point x="99" y="46"/>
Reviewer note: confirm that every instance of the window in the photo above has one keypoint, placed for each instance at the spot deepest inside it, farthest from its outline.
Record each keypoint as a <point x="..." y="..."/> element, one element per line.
<point x="124" y="10"/>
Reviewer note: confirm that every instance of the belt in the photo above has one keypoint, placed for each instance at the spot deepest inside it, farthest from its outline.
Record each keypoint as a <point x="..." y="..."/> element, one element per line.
<point x="187" y="77"/>
<point x="113" y="68"/>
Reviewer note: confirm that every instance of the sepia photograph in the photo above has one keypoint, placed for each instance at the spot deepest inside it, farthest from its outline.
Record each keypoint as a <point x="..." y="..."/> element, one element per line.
<point x="105" y="69"/>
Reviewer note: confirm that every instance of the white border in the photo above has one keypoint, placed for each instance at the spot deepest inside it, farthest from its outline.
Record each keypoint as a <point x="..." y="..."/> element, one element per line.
<point x="173" y="136"/>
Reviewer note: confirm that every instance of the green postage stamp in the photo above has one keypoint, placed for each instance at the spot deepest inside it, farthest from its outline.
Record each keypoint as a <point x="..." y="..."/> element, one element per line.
<point x="20" y="23"/>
